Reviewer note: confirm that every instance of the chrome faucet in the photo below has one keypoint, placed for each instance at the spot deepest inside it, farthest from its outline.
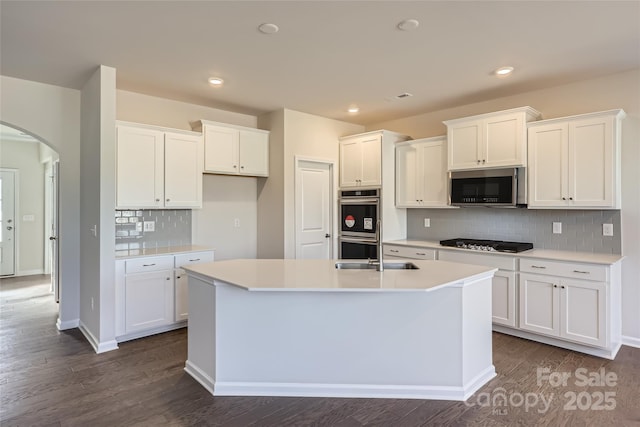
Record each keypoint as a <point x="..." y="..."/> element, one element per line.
<point x="380" y="263"/>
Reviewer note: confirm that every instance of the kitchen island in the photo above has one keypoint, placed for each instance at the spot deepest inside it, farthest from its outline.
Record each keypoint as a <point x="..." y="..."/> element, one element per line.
<point x="306" y="328"/>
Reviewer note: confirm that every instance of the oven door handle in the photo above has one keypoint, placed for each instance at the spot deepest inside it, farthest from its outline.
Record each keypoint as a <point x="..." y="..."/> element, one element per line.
<point x="359" y="201"/>
<point x="358" y="240"/>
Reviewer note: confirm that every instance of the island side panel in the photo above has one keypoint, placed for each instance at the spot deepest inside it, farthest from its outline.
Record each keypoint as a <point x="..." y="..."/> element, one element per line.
<point x="366" y="344"/>
<point x="201" y="346"/>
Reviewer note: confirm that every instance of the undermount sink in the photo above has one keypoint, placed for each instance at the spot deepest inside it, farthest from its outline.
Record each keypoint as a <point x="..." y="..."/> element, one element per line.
<point x="367" y="266"/>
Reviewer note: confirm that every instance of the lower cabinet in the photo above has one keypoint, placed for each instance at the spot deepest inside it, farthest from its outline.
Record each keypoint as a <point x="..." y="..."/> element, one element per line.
<point x="571" y="309"/>
<point x="152" y="293"/>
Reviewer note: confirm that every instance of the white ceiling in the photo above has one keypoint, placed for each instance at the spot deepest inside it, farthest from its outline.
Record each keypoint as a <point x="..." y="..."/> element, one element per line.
<point x="327" y="55"/>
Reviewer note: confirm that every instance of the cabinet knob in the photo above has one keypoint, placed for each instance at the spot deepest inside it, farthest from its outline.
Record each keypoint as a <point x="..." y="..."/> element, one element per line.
<point x="168" y="200"/>
<point x="157" y="200"/>
<point x="241" y="167"/>
<point x="484" y="161"/>
<point x="555" y="286"/>
<point x="234" y="166"/>
<point x="564" y="198"/>
<point x="168" y="278"/>
<point x="570" y="198"/>
<point x="478" y="161"/>
<point x="562" y="286"/>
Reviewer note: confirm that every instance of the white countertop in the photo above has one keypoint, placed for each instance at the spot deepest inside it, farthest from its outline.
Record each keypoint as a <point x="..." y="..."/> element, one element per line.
<point x="556" y="255"/>
<point x="166" y="250"/>
<point x="321" y="275"/>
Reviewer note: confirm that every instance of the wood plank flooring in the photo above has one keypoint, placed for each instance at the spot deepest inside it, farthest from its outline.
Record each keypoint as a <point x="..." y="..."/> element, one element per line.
<point x="52" y="378"/>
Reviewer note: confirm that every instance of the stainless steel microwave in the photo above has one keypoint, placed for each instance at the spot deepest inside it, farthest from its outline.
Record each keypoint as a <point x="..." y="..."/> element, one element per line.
<point x="489" y="187"/>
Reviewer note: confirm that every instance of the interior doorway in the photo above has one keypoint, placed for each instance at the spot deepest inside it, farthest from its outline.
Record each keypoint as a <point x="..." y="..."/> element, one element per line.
<point x="314" y="207"/>
<point x="7" y="222"/>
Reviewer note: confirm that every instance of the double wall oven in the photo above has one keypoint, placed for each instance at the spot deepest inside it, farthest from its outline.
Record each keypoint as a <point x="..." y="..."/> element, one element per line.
<point x="359" y="213"/>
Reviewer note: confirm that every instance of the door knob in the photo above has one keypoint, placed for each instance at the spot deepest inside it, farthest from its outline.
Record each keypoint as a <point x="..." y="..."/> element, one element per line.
<point x="53" y="238"/>
<point x="9" y="227"/>
<point x="327" y="235"/>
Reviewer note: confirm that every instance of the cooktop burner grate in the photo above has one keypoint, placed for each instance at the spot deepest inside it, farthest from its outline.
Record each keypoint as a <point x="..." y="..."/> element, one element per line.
<point x="487" y="245"/>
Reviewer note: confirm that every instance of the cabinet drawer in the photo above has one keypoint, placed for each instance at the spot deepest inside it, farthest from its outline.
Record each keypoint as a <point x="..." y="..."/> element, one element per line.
<point x="193" y="258"/>
<point x="409" y="252"/>
<point x="565" y="269"/>
<point x="139" y="265"/>
<point x="496" y="261"/>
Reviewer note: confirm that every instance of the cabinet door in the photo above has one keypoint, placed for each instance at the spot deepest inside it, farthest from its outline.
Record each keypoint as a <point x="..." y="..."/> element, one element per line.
<point x="539" y="304"/>
<point x="221" y="149"/>
<point x="464" y="141"/>
<point x="183" y="171"/>
<point x="148" y="300"/>
<point x="591" y="162"/>
<point x="350" y="163"/>
<point x="139" y="168"/>
<point x="254" y="153"/>
<point x="407" y="175"/>
<point x="434" y="182"/>
<point x="505" y="142"/>
<point x="548" y="160"/>
<point x="181" y="296"/>
<point x="584" y="311"/>
<point x="504" y="300"/>
<point x="371" y="161"/>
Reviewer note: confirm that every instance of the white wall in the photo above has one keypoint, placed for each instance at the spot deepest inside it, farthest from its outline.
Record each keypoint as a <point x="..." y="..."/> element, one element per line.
<point x="620" y="90"/>
<point x="25" y="157"/>
<point x="225" y="198"/>
<point x="52" y="115"/>
<point x="97" y="206"/>
<point x="301" y="134"/>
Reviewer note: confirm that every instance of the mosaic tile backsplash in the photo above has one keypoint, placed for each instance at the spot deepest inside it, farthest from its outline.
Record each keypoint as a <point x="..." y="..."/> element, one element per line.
<point x="581" y="229"/>
<point x="171" y="227"/>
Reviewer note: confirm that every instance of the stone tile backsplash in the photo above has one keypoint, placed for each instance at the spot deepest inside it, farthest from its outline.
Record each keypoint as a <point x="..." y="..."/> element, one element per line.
<point x="171" y="227"/>
<point x="581" y="229"/>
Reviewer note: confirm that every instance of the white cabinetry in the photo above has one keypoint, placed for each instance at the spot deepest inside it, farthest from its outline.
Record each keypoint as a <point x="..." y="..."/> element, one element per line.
<point x="152" y="293"/>
<point x="157" y="167"/>
<point x="407" y="252"/>
<point x="235" y="150"/>
<point x="421" y="173"/>
<point x="360" y="162"/>
<point x="555" y="300"/>
<point x="489" y="140"/>
<point x="504" y="285"/>
<point x="574" y="162"/>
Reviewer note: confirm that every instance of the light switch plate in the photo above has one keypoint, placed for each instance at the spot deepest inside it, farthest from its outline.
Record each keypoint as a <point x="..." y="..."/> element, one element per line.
<point x="427" y="222"/>
<point x="557" y="228"/>
<point x="607" y="229"/>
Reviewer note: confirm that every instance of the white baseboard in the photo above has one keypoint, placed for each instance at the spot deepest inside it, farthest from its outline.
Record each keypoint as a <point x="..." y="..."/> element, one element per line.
<point x="67" y="324"/>
<point x="339" y="390"/>
<point x="98" y="347"/>
<point x="29" y="272"/>
<point x="631" y="341"/>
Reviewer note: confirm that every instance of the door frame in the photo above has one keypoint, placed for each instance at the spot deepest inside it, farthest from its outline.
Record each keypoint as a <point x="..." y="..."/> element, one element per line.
<point x="16" y="216"/>
<point x="333" y="248"/>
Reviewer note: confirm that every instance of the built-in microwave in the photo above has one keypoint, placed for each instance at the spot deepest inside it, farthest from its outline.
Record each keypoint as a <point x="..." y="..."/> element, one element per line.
<point x="489" y="187"/>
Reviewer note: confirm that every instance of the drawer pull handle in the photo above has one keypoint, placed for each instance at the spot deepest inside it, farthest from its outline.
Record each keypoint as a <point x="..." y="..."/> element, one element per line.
<point x="148" y="265"/>
<point x="581" y="272"/>
<point x="538" y="266"/>
<point x="193" y="260"/>
<point x="394" y="250"/>
<point x="421" y="253"/>
<point x="178" y="277"/>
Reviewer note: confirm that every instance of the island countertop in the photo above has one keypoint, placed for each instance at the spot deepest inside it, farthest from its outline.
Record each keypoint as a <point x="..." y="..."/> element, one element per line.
<point x="322" y="275"/>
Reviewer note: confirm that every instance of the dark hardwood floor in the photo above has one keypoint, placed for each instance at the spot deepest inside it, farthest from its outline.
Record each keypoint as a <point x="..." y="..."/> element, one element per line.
<point x="52" y="378"/>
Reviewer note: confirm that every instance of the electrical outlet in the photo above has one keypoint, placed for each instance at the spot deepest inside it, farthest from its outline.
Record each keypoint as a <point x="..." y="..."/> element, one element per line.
<point x="149" y="226"/>
<point x="427" y="222"/>
<point x="607" y="229"/>
<point x="557" y="228"/>
<point x="236" y="223"/>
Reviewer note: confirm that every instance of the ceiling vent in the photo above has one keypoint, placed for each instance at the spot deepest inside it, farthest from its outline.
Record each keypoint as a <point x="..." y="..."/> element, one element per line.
<point x="403" y="95"/>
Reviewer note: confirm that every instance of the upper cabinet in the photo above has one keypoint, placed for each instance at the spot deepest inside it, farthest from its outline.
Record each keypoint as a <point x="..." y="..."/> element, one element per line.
<point x="157" y="167"/>
<point x="235" y="150"/>
<point x="421" y="173"/>
<point x="489" y="140"/>
<point x="574" y="162"/>
<point x="361" y="162"/>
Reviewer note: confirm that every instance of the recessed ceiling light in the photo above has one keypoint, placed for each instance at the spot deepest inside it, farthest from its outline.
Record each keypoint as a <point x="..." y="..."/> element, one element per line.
<point x="268" y="28"/>
<point x="504" y="71"/>
<point x="215" y="81"/>
<point x="408" y="24"/>
<point x="353" y="109"/>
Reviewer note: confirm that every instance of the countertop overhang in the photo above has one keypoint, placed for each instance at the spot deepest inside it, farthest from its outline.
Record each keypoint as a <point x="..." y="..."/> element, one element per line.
<point x="322" y="275"/>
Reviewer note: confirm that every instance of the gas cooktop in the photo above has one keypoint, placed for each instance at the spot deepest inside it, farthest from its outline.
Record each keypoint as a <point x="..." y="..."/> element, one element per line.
<point x="487" y="245"/>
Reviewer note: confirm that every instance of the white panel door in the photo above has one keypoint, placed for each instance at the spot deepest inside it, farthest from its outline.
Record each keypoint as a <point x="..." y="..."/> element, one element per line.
<point x="221" y="149"/>
<point x="464" y="142"/>
<point x="314" y="206"/>
<point x="407" y="175"/>
<point x="139" y="168"/>
<point x="434" y="184"/>
<point x="254" y="153"/>
<point x="539" y="304"/>
<point x="584" y="311"/>
<point x="548" y="174"/>
<point x="591" y="160"/>
<point x="504" y="142"/>
<point x="371" y="161"/>
<point x="7" y="222"/>
<point x="181" y="295"/>
<point x="504" y="298"/>
<point x="148" y="300"/>
<point x="350" y="163"/>
<point x="182" y="171"/>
